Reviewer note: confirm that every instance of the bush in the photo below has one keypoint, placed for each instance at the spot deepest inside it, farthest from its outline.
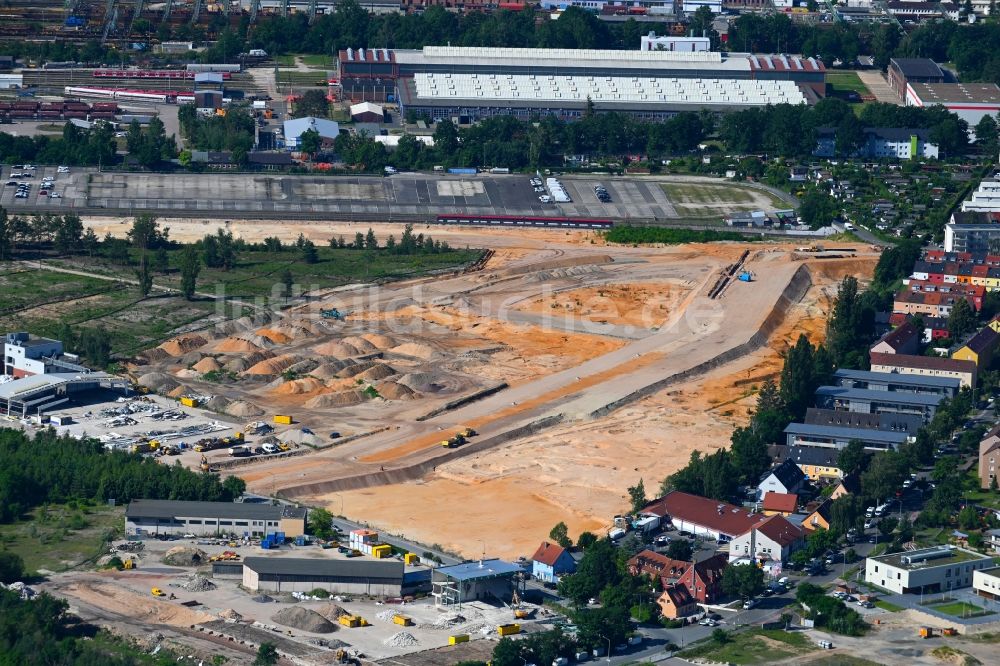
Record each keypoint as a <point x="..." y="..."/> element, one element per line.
<point x="321" y="593"/>
<point x="115" y="563"/>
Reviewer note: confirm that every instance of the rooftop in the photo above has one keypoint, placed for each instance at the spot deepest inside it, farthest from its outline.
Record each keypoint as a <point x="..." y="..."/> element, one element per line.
<point x="709" y="513"/>
<point x="813" y="455"/>
<point x="923" y="362"/>
<point x="935" y="556"/>
<point x="548" y="553"/>
<point x="834" y="432"/>
<point x="917" y="67"/>
<point x="617" y="89"/>
<point x="984" y="339"/>
<point x="478" y="569"/>
<point x="896" y="378"/>
<point x="785" y="502"/>
<point x="151" y="508"/>
<point x="354" y="568"/>
<point x="294" y="128"/>
<point x="956" y="93"/>
<point x="897" y="397"/>
<point x="25" y="387"/>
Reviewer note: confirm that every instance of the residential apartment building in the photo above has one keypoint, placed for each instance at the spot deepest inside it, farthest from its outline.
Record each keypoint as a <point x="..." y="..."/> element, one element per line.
<point x="819" y="463"/>
<point x="986" y="583"/>
<point x="885" y="421"/>
<point x="930" y="303"/>
<point x="881" y="143"/>
<point x="867" y="401"/>
<point x="703" y="579"/>
<point x="894" y="381"/>
<point x="979" y="348"/>
<point x="927" y="366"/>
<point x="925" y="571"/>
<point x="771" y="539"/>
<point x="989" y="457"/>
<point x="836" y="438"/>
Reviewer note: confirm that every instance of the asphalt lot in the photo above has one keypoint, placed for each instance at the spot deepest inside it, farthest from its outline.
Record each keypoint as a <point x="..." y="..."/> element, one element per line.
<point x="399" y="197"/>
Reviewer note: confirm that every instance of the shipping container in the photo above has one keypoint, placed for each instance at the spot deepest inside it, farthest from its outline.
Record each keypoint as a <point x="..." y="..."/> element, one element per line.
<point x="283" y="419"/>
<point x="411" y="559"/>
<point x="189" y="402"/>
<point x="508" y="629"/>
<point x="469" y="171"/>
<point x="458" y="638"/>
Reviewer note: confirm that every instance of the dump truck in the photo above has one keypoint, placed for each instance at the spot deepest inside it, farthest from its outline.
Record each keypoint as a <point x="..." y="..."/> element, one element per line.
<point x="468" y="432"/>
<point x="926" y="632"/>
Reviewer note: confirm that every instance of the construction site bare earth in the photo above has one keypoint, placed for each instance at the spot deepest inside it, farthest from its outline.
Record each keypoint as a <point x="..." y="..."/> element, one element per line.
<point x="581" y="367"/>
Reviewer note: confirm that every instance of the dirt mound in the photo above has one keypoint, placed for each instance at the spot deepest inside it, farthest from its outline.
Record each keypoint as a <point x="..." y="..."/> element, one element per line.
<point x="376" y="372"/>
<point x="158" y="381"/>
<point x="154" y="355"/>
<point x="299" y="386"/>
<point x="328" y="370"/>
<point x="430" y="382"/>
<point x="395" y="391"/>
<point x="299" y="436"/>
<point x="332" y="612"/>
<point x="184" y="373"/>
<point x="360" y="344"/>
<point x="198" y="583"/>
<point x="304" y="619"/>
<point x="183" y="344"/>
<point x="379" y="340"/>
<point x="273" y="366"/>
<point x="241" y="363"/>
<point x="356" y="369"/>
<point x="414" y="349"/>
<point x="191" y="358"/>
<point x="274" y="336"/>
<point x="336" y="349"/>
<point x="236" y="345"/>
<point x="243" y="409"/>
<point x="177" y="392"/>
<point x="339" y="399"/>
<point x="230" y="614"/>
<point x="185" y="556"/>
<point x="217" y="403"/>
<point x="207" y="364"/>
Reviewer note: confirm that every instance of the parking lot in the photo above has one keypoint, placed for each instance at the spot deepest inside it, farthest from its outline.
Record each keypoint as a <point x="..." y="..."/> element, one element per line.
<point x="401" y="196"/>
<point x="26" y="186"/>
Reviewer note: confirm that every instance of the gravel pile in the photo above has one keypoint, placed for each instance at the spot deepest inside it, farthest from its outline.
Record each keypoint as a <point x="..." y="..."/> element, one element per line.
<point x="402" y="639"/>
<point x="184" y="556"/>
<point x="386" y="615"/>
<point x="262" y="599"/>
<point x="304" y="620"/>
<point x="198" y="583"/>
<point x="230" y="614"/>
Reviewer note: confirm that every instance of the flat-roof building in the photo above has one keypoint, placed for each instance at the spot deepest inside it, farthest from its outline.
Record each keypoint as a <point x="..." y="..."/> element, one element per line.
<point x="968" y="101"/>
<point x="702" y="516"/>
<point x="894" y="381"/>
<point x="867" y="401"/>
<point x="986" y="583"/>
<point x="147" y="517"/>
<point x="925" y="571"/>
<point x="491" y="579"/>
<point x="902" y="71"/>
<point x="834" y="437"/>
<point x="380" y="578"/>
<point x="927" y="366"/>
<point x="887" y="421"/>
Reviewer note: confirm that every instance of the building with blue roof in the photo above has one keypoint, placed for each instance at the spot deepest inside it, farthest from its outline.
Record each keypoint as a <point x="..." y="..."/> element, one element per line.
<point x="488" y="580"/>
<point x="295" y="128"/>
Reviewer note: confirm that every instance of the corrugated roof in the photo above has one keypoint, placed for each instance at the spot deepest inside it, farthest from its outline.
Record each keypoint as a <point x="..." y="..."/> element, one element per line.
<point x="868" y="395"/>
<point x="152" y="508"/>
<point x="709" y="513"/>
<point x="494" y="568"/>
<point x="390" y="570"/>
<point x="917" y="67"/>
<point x="898" y="379"/>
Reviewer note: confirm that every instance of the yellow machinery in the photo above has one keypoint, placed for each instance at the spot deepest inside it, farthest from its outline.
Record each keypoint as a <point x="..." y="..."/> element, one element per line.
<point x="283" y="419"/>
<point x="411" y="559"/>
<point x="157" y="592"/>
<point x="128" y="564"/>
<point x="469" y="432"/>
<point x="926" y="632"/>
<point x="382" y="551"/>
<point x="508" y="629"/>
<point x="203" y="465"/>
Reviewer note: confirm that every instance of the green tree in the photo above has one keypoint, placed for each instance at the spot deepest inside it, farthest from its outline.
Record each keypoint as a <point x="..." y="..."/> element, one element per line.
<point x="962" y="320"/>
<point x="852" y="457"/>
<point x="798" y="381"/>
<point x="371" y="242"/>
<point x="987" y="135"/>
<point x="637" y="496"/>
<point x="309" y="253"/>
<point x="585" y="540"/>
<point x="144" y="277"/>
<point x="744" y="581"/>
<point x="310" y="142"/>
<point x="267" y="655"/>
<point x="287" y="282"/>
<point x="321" y="523"/>
<point x="11" y="567"/>
<point x="680" y="549"/>
<point x="190" y="266"/>
<point x="560" y="534"/>
<point x="161" y="260"/>
<point x="885" y="474"/>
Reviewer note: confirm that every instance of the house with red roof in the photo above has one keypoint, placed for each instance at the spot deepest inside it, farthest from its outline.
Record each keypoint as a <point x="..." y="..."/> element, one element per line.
<point x="701" y="516"/>
<point x="780" y="504"/>
<point x="676" y="601"/>
<point x="770" y="539"/>
<point x="703" y="579"/>
<point x="550" y="562"/>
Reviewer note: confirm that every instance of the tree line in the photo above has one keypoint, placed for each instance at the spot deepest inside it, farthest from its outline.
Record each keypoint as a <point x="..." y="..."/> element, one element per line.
<point x="233" y="131"/>
<point x="75" y="146"/>
<point x="52" y="469"/>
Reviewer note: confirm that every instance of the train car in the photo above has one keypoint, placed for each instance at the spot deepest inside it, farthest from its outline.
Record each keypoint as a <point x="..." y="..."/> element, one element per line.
<point x="142" y="74"/>
<point x="78" y="91"/>
<point x="525" y="221"/>
<point x="219" y="67"/>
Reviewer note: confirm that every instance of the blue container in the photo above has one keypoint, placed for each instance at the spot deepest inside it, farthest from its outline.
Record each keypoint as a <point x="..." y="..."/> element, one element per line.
<point x="279" y="537"/>
<point x="265" y="544"/>
<point x="463" y="170"/>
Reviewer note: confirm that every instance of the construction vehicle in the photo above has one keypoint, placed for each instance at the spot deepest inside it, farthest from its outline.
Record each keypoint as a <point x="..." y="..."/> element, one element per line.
<point x="454" y="442"/>
<point x="157" y="592"/>
<point x="203" y="465"/>
<point x="225" y="556"/>
<point x="128" y="564"/>
<point x="284" y="447"/>
<point x="926" y="632"/>
<point x="332" y="313"/>
<point x="258" y="428"/>
<point x="145" y="447"/>
<point x="746" y="276"/>
<point x="468" y="432"/>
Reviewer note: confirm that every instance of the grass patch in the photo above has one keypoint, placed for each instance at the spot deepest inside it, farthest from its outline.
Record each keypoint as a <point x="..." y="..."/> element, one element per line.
<point x="57" y="538"/>
<point x="888" y="606"/>
<point x="961" y="609"/>
<point x="285" y="60"/>
<point x="317" y="60"/>
<point x="701" y="200"/>
<point x="756" y="646"/>
<point x="948" y="653"/>
<point x="842" y="660"/>
<point x="293" y="77"/>
<point x="847" y="81"/>
<point x="642" y="235"/>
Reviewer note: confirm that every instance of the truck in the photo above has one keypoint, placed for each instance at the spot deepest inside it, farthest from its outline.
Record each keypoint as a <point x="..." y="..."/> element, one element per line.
<point x="257" y="53"/>
<point x="646" y="524"/>
<point x="240" y="451"/>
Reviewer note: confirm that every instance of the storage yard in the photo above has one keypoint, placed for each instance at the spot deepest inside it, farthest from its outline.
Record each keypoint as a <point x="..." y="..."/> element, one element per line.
<point x="555" y="332"/>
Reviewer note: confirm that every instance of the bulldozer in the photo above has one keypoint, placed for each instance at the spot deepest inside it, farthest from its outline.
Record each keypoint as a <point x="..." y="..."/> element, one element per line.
<point x="332" y="313"/>
<point x="157" y="592"/>
<point x="128" y="564"/>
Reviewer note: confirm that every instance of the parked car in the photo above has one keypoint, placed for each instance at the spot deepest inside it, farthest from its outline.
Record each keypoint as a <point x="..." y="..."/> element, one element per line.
<point x="749" y="603"/>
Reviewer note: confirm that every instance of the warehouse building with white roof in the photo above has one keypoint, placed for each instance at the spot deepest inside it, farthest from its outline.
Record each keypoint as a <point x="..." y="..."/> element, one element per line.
<point x="526" y="79"/>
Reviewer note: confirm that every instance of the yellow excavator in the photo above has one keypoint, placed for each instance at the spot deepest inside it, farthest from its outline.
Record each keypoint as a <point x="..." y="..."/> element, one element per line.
<point x="203" y="465"/>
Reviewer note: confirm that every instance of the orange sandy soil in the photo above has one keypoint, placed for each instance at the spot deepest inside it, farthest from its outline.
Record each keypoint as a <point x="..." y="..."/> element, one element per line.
<point x="577" y="473"/>
<point x="641" y="305"/>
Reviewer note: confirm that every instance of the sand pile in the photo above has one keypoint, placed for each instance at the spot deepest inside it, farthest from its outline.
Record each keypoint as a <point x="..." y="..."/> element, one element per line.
<point x="241" y="363"/>
<point x="274" y="336"/>
<point x="273" y="366"/>
<point x="414" y="349"/>
<point x="332" y="612"/>
<point x="338" y="399"/>
<point x="328" y="370"/>
<point x="356" y="369"/>
<point x="299" y="436"/>
<point x="360" y="344"/>
<point x="379" y="340"/>
<point x="178" y="392"/>
<point x="191" y="358"/>
<point x="336" y="349"/>
<point x="154" y="355"/>
<point x="243" y="409"/>
<point x="183" y="344"/>
<point x="262" y="599"/>
<point x="430" y="382"/>
<point x="230" y="614"/>
<point x="185" y="556"/>
<point x="395" y="391"/>
<point x="236" y="346"/>
<point x="184" y="373"/>
<point x="158" y="381"/>
<point x="402" y="639"/>
<point x="207" y="364"/>
<point x="299" y="386"/>
<point x="217" y="403"/>
<point x="304" y="619"/>
<point x="376" y="372"/>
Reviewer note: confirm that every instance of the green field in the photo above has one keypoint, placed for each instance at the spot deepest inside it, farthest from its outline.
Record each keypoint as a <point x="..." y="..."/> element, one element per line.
<point x="756" y="646"/>
<point x="961" y="609"/>
<point x="885" y="605"/>
<point x="844" y="81"/>
<point x="706" y="200"/>
<point x="316" y="61"/>
<point x="56" y="538"/>
<point x="292" y="77"/>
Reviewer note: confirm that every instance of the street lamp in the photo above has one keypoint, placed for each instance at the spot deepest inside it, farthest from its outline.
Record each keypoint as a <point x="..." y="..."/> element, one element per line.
<point x="609" y="648"/>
